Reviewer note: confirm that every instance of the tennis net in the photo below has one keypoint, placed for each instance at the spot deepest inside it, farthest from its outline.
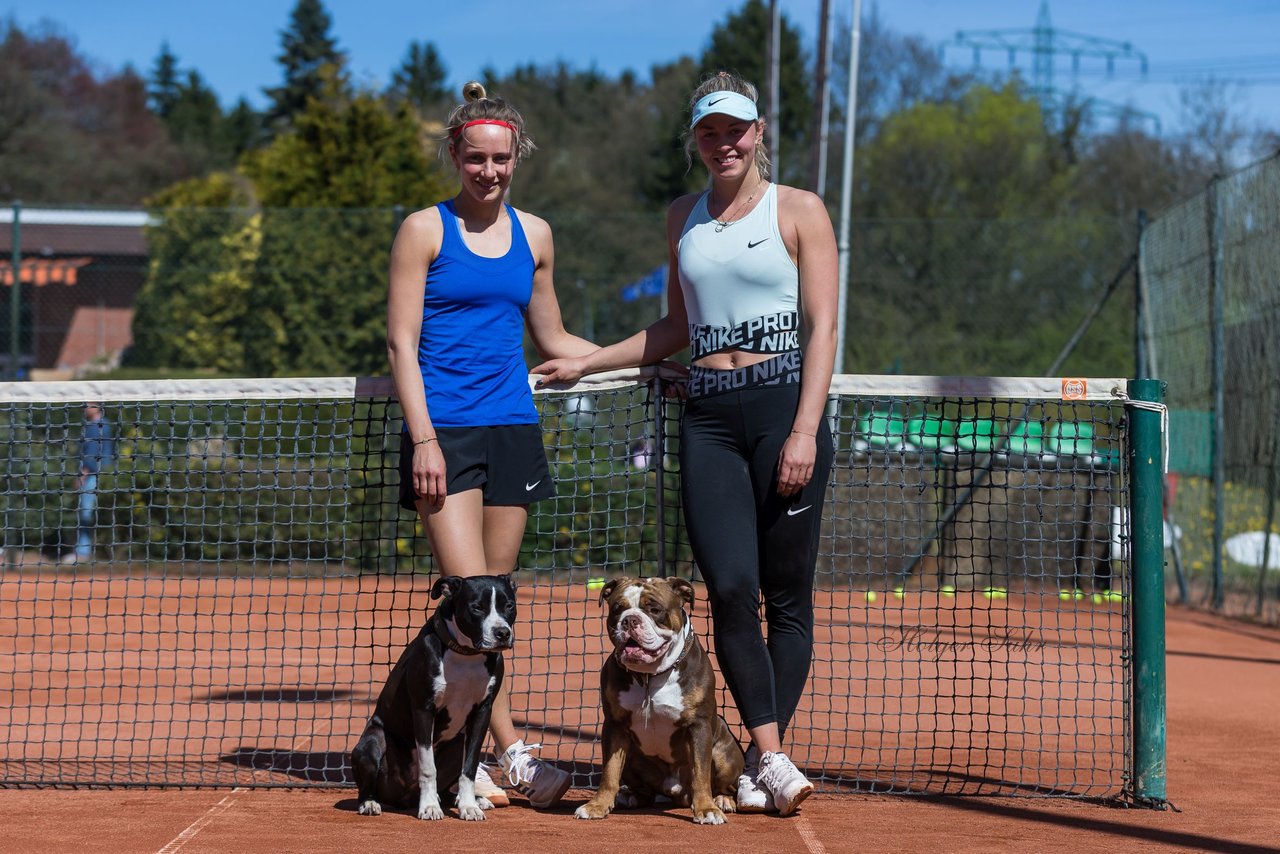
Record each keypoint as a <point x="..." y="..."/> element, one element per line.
<point x="222" y="606"/>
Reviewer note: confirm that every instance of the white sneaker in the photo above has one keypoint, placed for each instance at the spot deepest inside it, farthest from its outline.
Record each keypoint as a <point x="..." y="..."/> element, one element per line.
<point x="783" y="780"/>
<point x="70" y="559"/>
<point x="486" y="788"/>
<point x="751" y="797"/>
<point x="543" y="783"/>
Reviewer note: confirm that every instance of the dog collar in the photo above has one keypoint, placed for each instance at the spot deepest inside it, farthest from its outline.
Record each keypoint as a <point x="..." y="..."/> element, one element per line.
<point x="442" y="632"/>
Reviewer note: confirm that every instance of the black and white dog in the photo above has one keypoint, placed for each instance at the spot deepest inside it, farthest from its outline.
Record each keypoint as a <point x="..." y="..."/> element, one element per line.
<point x="432" y="715"/>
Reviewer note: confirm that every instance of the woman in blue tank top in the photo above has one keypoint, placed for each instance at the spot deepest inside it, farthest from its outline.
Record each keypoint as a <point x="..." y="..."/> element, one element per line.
<point x="753" y="269"/>
<point x="467" y="277"/>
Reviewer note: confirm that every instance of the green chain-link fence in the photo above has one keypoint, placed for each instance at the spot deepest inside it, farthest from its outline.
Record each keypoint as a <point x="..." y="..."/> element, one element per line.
<point x="1211" y="288"/>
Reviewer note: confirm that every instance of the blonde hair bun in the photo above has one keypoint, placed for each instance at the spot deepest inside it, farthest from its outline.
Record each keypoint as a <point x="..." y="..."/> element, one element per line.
<point x="473" y="91"/>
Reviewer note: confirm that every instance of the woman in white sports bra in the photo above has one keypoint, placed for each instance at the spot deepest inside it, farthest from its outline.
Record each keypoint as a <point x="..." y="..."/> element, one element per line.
<point x="756" y="304"/>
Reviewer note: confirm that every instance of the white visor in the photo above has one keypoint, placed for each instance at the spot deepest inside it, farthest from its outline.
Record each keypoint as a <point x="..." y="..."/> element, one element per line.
<point x="725" y="103"/>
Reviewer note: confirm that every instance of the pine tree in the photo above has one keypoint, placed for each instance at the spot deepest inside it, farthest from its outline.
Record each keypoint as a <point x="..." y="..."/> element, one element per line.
<point x="241" y="130"/>
<point x="164" y="83"/>
<point x="195" y="116"/>
<point x="312" y="63"/>
<point x="420" y="77"/>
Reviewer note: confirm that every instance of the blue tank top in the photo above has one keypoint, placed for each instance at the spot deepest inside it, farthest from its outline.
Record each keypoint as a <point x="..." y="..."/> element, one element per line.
<point x="471" y="349"/>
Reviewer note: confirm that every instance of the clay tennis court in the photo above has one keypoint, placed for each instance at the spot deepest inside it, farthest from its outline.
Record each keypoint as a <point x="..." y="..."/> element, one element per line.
<point x="143" y="659"/>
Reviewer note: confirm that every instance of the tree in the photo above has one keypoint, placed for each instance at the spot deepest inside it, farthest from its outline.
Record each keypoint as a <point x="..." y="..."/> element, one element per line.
<point x="194" y="115"/>
<point x="738" y="45"/>
<point x="420" y="78"/>
<point x="207" y="138"/>
<point x="164" y="85"/>
<point x="313" y="66"/>
<point x="981" y="244"/>
<point x="1214" y="132"/>
<point x="331" y="190"/>
<point x="205" y="245"/>
<point x="241" y="129"/>
<point x="281" y="268"/>
<point x="69" y="134"/>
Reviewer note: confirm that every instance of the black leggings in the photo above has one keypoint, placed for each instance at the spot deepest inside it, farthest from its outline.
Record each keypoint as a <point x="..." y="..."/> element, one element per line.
<point x="749" y="540"/>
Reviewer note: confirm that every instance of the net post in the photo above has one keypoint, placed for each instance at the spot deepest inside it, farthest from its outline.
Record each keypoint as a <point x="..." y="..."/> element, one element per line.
<point x="1146" y="478"/>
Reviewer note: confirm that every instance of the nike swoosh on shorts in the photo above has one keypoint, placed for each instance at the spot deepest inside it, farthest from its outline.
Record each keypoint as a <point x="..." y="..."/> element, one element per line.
<point x="796" y="510"/>
<point x="529" y="487"/>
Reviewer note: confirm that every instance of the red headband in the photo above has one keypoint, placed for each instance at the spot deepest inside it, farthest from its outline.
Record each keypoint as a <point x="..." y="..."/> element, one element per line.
<point x="499" y="122"/>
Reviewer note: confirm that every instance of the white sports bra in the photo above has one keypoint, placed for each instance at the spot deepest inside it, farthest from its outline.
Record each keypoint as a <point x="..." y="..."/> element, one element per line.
<point x="741" y="288"/>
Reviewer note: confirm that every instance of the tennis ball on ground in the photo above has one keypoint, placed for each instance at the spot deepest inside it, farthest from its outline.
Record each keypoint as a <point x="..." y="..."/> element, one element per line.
<point x="595" y="584"/>
<point x="1114" y="596"/>
<point x="1097" y="598"/>
<point x="1077" y="594"/>
<point x="871" y="596"/>
<point x="898" y="591"/>
<point x="989" y="593"/>
<point x="1064" y="595"/>
<point x="948" y="590"/>
<point x="1000" y="593"/>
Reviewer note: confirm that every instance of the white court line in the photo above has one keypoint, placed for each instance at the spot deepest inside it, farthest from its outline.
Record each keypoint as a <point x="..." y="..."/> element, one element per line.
<point x="223" y="805"/>
<point x="810" y="838"/>
<point x="199" y="824"/>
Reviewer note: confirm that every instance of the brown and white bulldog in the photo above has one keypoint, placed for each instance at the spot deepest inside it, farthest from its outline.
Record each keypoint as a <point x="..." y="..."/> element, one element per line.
<point x="662" y="733"/>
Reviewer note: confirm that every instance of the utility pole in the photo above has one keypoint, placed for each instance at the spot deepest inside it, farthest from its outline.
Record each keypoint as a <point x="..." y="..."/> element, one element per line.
<point x="818" y="164"/>
<point x="1045" y="44"/>
<point x="846" y="181"/>
<point x="775" y="64"/>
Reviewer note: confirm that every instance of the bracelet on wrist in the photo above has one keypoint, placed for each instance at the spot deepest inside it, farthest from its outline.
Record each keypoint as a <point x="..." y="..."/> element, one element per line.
<point x="802" y="433"/>
<point x="426" y="440"/>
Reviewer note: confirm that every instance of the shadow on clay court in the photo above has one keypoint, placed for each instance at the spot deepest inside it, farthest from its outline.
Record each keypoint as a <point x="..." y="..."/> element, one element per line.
<point x="301" y="694"/>
<point x="309" y="767"/>
<point x="566" y="733"/>
<point x="1213" y="656"/>
<point x="1232" y="628"/>
<point x="1077" y="821"/>
<point x="332" y="767"/>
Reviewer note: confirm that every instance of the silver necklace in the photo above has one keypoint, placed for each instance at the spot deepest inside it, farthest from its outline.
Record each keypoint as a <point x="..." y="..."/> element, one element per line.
<point x="722" y="224"/>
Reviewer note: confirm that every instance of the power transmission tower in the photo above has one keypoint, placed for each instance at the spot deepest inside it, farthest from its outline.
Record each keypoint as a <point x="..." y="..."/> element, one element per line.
<point x="1045" y="44"/>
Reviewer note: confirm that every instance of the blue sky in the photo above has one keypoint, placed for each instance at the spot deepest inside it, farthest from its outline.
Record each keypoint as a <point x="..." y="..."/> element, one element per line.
<point x="233" y="43"/>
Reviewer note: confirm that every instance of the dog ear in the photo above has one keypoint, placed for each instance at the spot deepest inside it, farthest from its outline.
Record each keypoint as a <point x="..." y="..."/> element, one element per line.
<point x="509" y="579"/>
<point x="682" y="587"/>
<point x="446" y="585"/>
<point x="609" y="587"/>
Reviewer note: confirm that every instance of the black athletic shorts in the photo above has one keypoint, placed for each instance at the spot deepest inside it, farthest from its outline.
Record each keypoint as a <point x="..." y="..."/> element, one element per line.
<point x="507" y="461"/>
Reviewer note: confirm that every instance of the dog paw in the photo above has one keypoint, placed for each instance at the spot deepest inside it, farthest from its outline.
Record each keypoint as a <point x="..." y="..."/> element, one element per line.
<point x="484" y="803"/>
<point x="370" y="807"/>
<point x="711" y="816"/>
<point x="430" y="812"/>
<point x="726" y="803"/>
<point x="627" y="799"/>
<point x="591" y="811"/>
<point x="471" y="813"/>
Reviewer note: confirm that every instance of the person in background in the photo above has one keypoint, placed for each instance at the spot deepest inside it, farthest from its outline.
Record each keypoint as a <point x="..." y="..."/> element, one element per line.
<point x="467" y="277"/>
<point x="756" y="265"/>
<point x="96" y="454"/>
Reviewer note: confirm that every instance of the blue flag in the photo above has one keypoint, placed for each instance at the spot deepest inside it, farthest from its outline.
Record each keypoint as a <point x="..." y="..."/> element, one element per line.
<point x="651" y="285"/>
